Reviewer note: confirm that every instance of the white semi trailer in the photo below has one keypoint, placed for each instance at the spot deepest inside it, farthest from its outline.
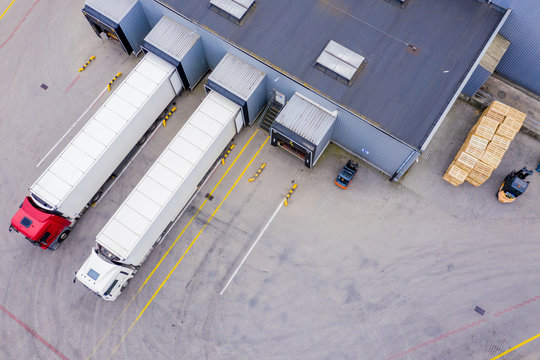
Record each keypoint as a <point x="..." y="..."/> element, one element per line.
<point x="64" y="191"/>
<point x="158" y="199"/>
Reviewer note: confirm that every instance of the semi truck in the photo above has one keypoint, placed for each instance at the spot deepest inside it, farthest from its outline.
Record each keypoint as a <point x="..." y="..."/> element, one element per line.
<point x="159" y="198"/>
<point x="82" y="171"/>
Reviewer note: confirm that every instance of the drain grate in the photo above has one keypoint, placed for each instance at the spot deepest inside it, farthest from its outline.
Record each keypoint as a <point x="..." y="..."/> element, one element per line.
<point x="479" y="310"/>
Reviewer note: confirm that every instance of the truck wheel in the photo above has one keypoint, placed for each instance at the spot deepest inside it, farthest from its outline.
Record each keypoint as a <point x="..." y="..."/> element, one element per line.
<point x="125" y="284"/>
<point x="63" y="236"/>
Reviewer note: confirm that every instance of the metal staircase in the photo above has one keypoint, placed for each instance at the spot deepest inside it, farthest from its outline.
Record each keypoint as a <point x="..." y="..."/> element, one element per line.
<point x="270" y="114"/>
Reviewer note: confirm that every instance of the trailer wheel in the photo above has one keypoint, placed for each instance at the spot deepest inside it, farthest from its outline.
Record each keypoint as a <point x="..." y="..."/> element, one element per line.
<point x="153" y="126"/>
<point x="141" y="140"/>
<point x="96" y="197"/>
<point x="63" y="236"/>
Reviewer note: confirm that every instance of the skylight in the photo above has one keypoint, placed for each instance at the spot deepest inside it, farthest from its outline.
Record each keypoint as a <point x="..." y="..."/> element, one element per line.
<point x="234" y="10"/>
<point x="339" y="62"/>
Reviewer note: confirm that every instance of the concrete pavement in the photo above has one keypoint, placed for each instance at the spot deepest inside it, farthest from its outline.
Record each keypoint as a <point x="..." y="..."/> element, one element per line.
<point x="379" y="271"/>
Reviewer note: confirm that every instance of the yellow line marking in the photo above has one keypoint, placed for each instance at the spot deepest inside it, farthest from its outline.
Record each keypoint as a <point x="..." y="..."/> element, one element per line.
<point x="515" y="347"/>
<point x="96" y="348"/>
<point x="186" y="251"/>
<point x="5" y="11"/>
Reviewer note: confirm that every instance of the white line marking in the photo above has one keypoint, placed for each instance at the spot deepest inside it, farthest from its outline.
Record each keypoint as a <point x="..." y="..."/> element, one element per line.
<point x="71" y="128"/>
<point x="252" y="246"/>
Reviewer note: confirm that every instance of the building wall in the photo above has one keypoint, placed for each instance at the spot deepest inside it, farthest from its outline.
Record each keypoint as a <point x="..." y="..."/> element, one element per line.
<point x="358" y="136"/>
<point x="521" y="63"/>
<point x="135" y="26"/>
<point x="477" y="79"/>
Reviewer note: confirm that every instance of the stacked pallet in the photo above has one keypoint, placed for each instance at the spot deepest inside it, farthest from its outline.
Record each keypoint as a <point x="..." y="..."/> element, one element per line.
<point x="485" y="145"/>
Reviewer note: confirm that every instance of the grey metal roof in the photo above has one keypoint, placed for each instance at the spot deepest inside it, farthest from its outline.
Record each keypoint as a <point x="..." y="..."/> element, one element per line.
<point x="237" y="76"/>
<point x="112" y="9"/>
<point x="402" y="92"/>
<point x="172" y="38"/>
<point x="306" y="118"/>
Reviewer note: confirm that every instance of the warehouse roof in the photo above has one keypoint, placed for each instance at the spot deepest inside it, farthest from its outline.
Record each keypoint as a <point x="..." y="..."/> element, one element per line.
<point x="403" y="91"/>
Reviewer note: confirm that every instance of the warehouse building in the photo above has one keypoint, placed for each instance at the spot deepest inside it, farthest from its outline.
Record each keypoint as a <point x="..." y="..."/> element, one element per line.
<point x="375" y="77"/>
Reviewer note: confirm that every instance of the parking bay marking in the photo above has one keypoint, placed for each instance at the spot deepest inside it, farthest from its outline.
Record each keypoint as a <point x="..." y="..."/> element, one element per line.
<point x="515" y="347"/>
<point x="186" y="251"/>
<point x="109" y="330"/>
<point x="253" y="245"/>
<point x="5" y="11"/>
<point x="71" y="128"/>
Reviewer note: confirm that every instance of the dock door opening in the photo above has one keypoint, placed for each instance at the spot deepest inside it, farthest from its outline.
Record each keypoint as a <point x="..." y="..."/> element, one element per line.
<point x="303" y="128"/>
<point x="112" y="34"/>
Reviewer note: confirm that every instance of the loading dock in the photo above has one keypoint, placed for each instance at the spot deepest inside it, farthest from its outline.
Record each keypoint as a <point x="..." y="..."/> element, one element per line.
<point x="241" y="83"/>
<point x="303" y="128"/>
<point x="122" y="20"/>
<point x="180" y="47"/>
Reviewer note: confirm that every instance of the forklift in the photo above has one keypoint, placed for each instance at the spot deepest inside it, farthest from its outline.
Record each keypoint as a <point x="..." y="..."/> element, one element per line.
<point x="346" y="174"/>
<point x="514" y="185"/>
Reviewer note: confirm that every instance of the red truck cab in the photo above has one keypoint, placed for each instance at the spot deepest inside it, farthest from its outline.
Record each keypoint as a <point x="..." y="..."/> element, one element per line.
<point x="39" y="226"/>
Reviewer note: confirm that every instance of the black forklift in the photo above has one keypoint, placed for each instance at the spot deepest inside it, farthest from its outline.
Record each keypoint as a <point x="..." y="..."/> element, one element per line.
<point x="346" y="174"/>
<point x="514" y="185"/>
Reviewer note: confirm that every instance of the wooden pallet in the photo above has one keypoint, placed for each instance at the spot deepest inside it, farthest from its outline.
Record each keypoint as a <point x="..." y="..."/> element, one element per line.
<point x="513" y="123"/>
<point x="500" y="141"/>
<point x="493" y="155"/>
<point x="485" y="145"/>
<point x="485" y="127"/>
<point x="506" y="131"/>
<point x="455" y="175"/>
<point x="465" y="161"/>
<point x="480" y="173"/>
<point x="499" y="107"/>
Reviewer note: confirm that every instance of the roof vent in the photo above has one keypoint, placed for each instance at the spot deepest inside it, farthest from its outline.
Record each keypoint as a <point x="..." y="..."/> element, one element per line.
<point x="234" y="10"/>
<point x="339" y="62"/>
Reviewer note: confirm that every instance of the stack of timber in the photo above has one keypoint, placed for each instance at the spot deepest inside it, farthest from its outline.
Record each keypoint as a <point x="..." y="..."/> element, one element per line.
<point x="485" y="145"/>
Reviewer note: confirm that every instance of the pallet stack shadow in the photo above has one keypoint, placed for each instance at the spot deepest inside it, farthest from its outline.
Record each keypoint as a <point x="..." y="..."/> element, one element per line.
<point x="485" y="145"/>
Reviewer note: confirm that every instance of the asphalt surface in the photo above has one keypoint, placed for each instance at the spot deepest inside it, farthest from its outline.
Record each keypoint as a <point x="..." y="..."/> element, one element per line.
<point x="379" y="271"/>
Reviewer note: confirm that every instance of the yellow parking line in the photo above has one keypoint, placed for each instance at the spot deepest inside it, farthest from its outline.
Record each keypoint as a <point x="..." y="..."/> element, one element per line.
<point x="186" y="251"/>
<point x="5" y="11"/>
<point x="106" y="335"/>
<point x="515" y="347"/>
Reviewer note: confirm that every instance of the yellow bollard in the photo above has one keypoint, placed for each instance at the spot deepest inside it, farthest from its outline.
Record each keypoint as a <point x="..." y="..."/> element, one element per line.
<point x="168" y="115"/>
<point x="113" y="80"/>
<point x="286" y="202"/>
<point x="226" y="154"/>
<point x="88" y="62"/>
<point x="257" y="173"/>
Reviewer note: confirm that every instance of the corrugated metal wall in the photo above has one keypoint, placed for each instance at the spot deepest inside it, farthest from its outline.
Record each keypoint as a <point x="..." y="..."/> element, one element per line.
<point x="135" y="26"/>
<point x="194" y="64"/>
<point x="376" y="147"/>
<point x="478" y="78"/>
<point x="521" y="63"/>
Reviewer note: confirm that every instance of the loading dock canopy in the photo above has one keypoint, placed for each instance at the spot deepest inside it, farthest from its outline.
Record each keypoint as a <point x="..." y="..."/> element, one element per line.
<point x="122" y="20"/>
<point x="179" y="46"/>
<point x="303" y="127"/>
<point x="241" y="83"/>
<point x="113" y="10"/>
